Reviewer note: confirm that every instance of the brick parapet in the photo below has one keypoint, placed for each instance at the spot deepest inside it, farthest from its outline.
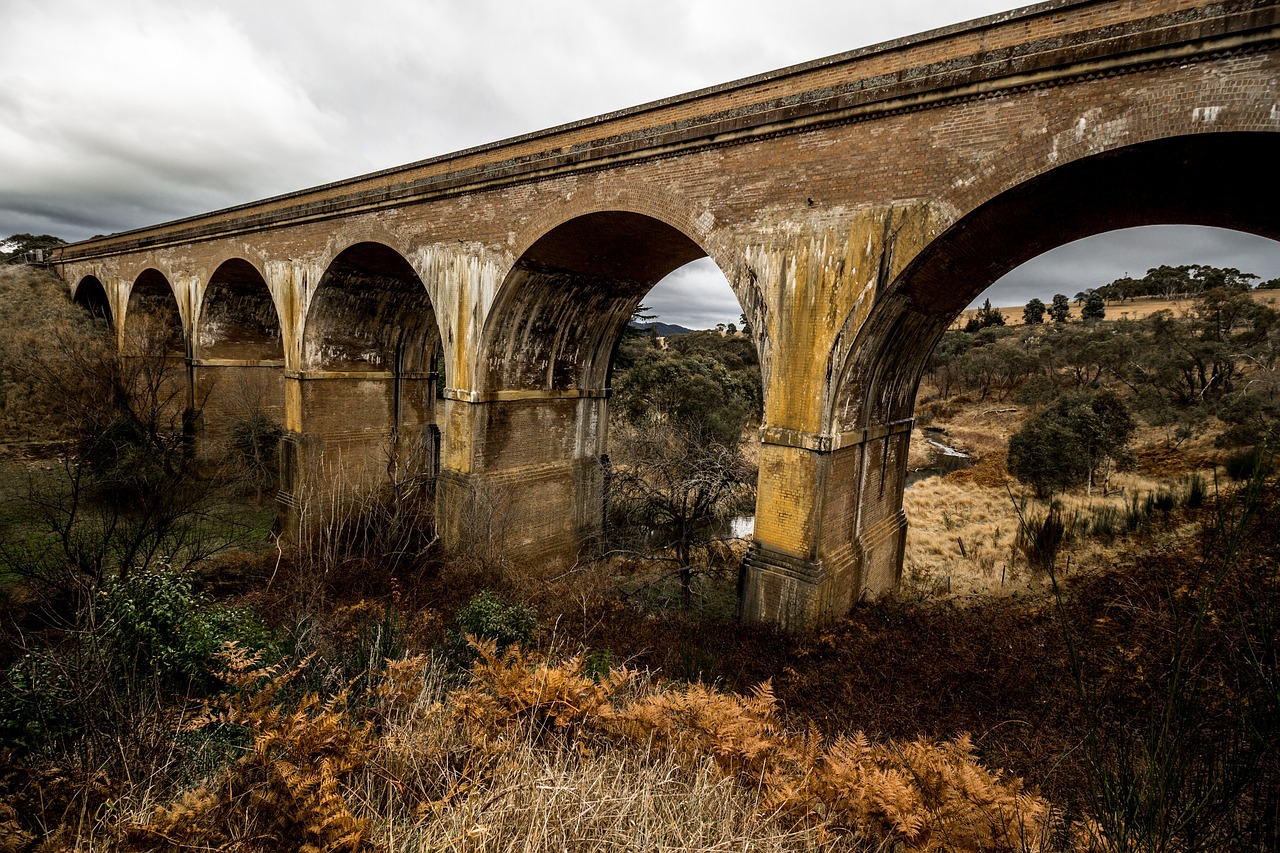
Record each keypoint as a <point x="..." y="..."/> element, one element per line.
<point x="1048" y="44"/>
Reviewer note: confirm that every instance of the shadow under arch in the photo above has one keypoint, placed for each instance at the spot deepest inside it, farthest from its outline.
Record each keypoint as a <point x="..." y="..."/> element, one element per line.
<point x="567" y="298"/>
<point x="370" y="311"/>
<point x="238" y="318"/>
<point x="1207" y="179"/>
<point x="91" y="296"/>
<point x="152" y="321"/>
<point x="528" y="469"/>
<point x="362" y="408"/>
<point x="238" y="371"/>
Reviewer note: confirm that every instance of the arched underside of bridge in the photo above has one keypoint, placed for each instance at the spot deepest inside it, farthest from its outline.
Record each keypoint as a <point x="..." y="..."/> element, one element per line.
<point x="1207" y="179"/>
<point x="361" y="406"/>
<point x="91" y="296"/>
<point x="237" y="365"/>
<point x="538" y="421"/>
<point x="152" y="322"/>
<point x="154" y="345"/>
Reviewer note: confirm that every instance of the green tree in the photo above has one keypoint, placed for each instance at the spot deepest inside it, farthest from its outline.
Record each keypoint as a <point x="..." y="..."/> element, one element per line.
<point x="1073" y="442"/>
<point x="985" y="317"/>
<point x="678" y="463"/>
<point x="1033" y="313"/>
<point x="20" y="246"/>
<point x="693" y="394"/>
<point x="1095" y="307"/>
<point x="1103" y="426"/>
<point x="1046" y="455"/>
<point x="1060" y="309"/>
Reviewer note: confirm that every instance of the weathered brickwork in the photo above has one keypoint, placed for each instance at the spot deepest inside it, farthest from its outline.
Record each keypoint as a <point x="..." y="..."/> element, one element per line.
<point x="856" y="204"/>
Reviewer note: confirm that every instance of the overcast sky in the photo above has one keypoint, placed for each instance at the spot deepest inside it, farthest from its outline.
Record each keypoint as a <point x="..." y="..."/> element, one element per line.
<point x="117" y="114"/>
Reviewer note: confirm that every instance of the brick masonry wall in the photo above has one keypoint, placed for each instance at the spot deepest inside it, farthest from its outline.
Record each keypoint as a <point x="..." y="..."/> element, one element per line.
<point x="854" y="203"/>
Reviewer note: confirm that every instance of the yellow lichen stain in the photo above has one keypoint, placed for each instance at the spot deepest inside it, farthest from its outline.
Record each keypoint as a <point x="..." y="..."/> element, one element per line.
<point x="281" y="277"/>
<point x="822" y="280"/>
<point x="459" y="455"/>
<point x="787" y="493"/>
<point x="463" y="282"/>
<point x="293" y="414"/>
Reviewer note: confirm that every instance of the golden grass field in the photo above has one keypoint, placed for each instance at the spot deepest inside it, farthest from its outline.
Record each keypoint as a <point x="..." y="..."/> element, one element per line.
<point x="961" y="539"/>
<point x="1134" y="309"/>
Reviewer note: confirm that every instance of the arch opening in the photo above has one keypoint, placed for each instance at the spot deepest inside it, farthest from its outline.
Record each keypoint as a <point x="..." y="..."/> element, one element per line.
<point x="153" y="323"/>
<point x="238" y="360"/>
<point x="567" y="299"/>
<point x="238" y="317"/>
<point x="370" y="312"/>
<point x="91" y="296"/>
<point x="546" y="388"/>
<point x="370" y="356"/>
<point x="1207" y="179"/>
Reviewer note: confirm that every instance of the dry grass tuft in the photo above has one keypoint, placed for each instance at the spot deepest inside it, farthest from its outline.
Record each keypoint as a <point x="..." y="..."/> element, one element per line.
<point x="545" y="756"/>
<point x="285" y="792"/>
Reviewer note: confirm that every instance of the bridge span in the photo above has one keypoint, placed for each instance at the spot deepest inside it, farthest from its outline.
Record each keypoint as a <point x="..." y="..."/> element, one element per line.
<point x="464" y="309"/>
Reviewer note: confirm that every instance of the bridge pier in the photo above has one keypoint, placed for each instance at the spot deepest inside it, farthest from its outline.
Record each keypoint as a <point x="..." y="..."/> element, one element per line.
<point x="229" y="392"/>
<point x="522" y="473"/>
<point x="349" y="434"/>
<point x="829" y="524"/>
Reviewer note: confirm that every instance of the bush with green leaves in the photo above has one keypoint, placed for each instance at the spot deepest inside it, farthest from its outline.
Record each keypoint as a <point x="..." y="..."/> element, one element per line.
<point x="1048" y="456"/>
<point x="1068" y="443"/>
<point x="487" y="616"/>
<point x="1243" y="465"/>
<point x="144" y="636"/>
<point x="155" y="622"/>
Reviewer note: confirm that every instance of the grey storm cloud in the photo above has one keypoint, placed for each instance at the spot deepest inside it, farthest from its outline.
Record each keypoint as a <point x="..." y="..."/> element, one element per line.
<point x="116" y="114"/>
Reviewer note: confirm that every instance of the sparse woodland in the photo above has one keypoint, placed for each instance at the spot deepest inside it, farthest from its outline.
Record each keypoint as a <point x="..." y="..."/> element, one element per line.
<point x="1082" y="656"/>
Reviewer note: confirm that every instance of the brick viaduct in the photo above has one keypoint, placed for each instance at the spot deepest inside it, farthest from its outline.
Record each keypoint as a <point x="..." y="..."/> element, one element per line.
<point x="467" y="306"/>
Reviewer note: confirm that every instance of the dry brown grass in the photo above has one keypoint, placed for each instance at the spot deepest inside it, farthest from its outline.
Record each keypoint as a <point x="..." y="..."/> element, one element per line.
<point x="535" y="755"/>
<point x="963" y="528"/>
<point x="1134" y="309"/>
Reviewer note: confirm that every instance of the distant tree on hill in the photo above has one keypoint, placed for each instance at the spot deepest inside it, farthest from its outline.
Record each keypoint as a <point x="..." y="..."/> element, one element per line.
<point x="15" y="249"/>
<point x="1060" y="309"/>
<point x="1180" y="282"/>
<point x="1033" y="313"/>
<point x="1095" y="307"/>
<point x="985" y="317"/>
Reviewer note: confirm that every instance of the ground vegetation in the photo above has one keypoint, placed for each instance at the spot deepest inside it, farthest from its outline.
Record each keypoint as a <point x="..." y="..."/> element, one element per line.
<point x="1097" y="673"/>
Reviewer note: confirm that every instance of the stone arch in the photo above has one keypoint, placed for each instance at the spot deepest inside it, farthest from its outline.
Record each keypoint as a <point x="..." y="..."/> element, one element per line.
<point x="569" y="294"/>
<point x="529" y="443"/>
<point x="1201" y="179"/>
<point x="237" y="316"/>
<point x="365" y="231"/>
<point x="152" y="320"/>
<point x="370" y="312"/>
<point x="90" y="294"/>
<point x="364" y="401"/>
<point x="237" y="369"/>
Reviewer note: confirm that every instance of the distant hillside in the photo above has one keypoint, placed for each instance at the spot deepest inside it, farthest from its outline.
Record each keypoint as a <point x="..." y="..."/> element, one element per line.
<point x="1133" y="309"/>
<point x="665" y="330"/>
